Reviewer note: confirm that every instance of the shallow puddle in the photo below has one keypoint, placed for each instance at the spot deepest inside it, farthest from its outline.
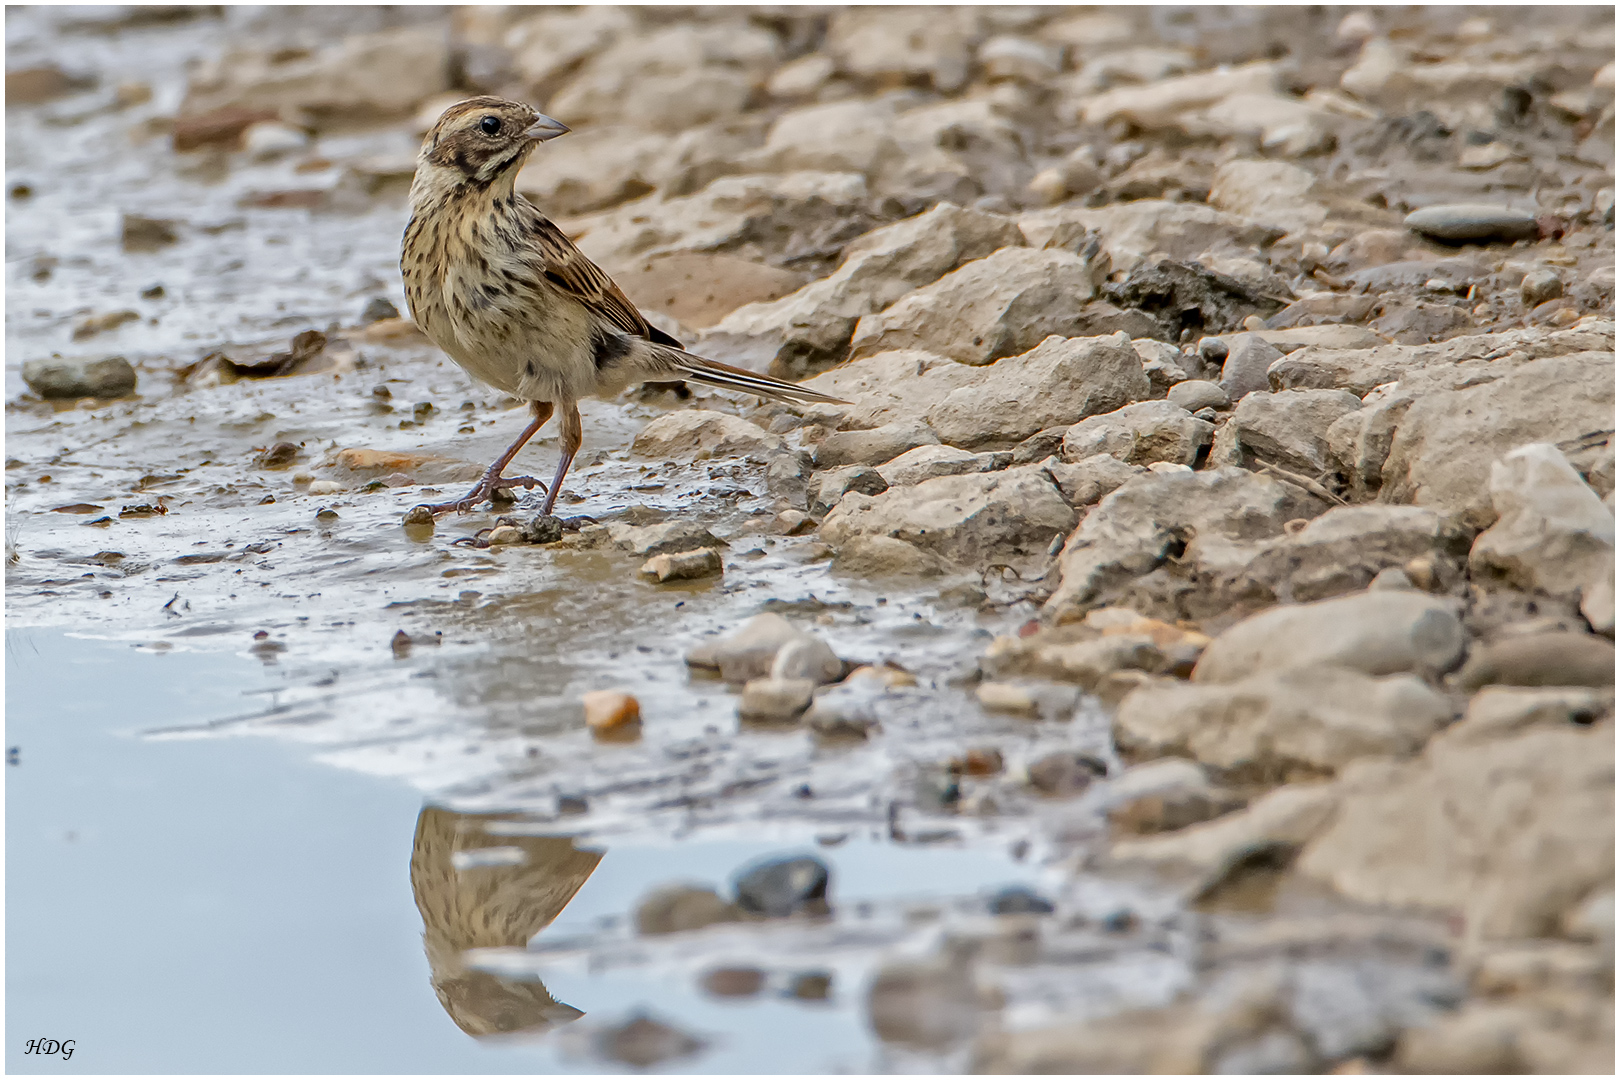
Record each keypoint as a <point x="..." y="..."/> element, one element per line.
<point x="230" y="904"/>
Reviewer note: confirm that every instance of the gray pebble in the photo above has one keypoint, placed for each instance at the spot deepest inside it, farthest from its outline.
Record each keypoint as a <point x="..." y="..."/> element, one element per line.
<point x="1196" y="394"/>
<point x="67" y="377"/>
<point x="1472" y="221"/>
<point x="782" y="887"/>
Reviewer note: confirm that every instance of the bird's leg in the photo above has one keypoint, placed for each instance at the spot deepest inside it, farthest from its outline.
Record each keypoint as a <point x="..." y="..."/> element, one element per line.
<point x="492" y="480"/>
<point x="571" y="436"/>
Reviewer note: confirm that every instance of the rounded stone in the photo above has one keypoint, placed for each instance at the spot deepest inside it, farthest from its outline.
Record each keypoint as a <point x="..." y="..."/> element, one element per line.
<point x="778" y="888"/>
<point x="1472" y="221"/>
<point x="1196" y="394"/>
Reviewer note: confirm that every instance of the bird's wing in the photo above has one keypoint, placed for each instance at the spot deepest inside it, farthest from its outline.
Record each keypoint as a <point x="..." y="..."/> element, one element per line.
<point x="567" y="268"/>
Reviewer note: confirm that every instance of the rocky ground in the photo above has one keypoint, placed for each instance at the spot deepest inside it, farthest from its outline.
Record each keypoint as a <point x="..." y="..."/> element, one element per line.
<point x="1223" y="509"/>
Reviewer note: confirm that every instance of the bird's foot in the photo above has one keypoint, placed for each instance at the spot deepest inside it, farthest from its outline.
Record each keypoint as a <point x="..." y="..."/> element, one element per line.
<point x="486" y="490"/>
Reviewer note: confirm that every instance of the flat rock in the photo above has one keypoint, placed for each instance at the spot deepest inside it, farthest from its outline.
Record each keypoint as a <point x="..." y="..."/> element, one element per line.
<point x="1375" y="632"/>
<point x="1332" y="336"/>
<point x="1060" y="381"/>
<point x="1088" y="480"/>
<point x="664" y="538"/>
<point x="926" y="462"/>
<point x="1131" y="232"/>
<point x="1271" y="191"/>
<point x="1305" y="720"/>
<point x="813" y="326"/>
<point x="1508" y="833"/>
<point x="1001" y="305"/>
<point x="1215" y="519"/>
<point x="683" y="565"/>
<point x="873" y="446"/>
<point x="1141" y="434"/>
<point x="689" y="432"/>
<point x="896" y="388"/>
<point x="1560" y="658"/>
<point x="1289" y="428"/>
<point x="1344" y="549"/>
<point x="971" y="520"/>
<point x="1443" y="448"/>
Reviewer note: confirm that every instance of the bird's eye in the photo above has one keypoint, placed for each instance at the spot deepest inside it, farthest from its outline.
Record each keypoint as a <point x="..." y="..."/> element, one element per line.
<point x="490" y="125"/>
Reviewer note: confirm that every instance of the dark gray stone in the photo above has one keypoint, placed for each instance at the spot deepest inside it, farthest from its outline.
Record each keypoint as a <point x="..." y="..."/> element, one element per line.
<point x="1020" y="900"/>
<point x="778" y="888"/>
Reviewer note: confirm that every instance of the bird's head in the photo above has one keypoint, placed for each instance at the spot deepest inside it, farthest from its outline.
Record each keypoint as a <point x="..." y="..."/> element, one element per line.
<point x="481" y="142"/>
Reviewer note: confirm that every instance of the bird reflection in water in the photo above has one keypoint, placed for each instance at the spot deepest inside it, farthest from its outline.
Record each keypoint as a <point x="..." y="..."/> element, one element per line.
<point x="479" y="890"/>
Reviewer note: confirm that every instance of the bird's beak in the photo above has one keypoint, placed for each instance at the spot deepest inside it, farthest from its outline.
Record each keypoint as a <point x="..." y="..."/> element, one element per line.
<point x="544" y="127"/>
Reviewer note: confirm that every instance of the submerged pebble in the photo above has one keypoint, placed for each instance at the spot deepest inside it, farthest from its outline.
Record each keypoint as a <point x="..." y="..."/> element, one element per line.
<point x="778" y="888"/>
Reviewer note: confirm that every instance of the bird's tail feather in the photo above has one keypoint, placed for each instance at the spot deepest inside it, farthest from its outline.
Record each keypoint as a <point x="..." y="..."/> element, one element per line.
<point x="714" y="373"/>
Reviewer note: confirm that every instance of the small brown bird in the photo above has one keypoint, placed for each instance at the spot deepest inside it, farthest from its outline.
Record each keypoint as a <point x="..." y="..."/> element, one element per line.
<point x="500" y="289"/>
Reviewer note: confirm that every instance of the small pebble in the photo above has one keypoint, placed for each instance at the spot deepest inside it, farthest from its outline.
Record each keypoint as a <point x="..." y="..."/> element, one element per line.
<point x="504" y="534"/>
<point x="1254" y="323"/>
<point x="1539" y="286"/>
<point x="891" y="677"/>
<point x="401" y="643"/>
<point x="324" y="487"/>
<point x="775" y="699"/>
<point x="611" y="713"/>
<point x="684" y="565"/>
<point x="1065" y="773"/>
<point x="1472" y="221"/>
<point x="1008" y="698"/>
<point x="418" y="516"/>
<point x="811" y="986"/>
<point x="778" y="888"/>
<point x="282" y="453"/>
<point x="978" y="761"/>
<point x="326" y="513"/>
<point x="1020" y="900"/>
<point x="733" y="981"/>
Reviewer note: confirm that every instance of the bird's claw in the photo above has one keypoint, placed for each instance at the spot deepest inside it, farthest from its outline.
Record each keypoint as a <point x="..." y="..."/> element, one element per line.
<point x="485" y="491"/>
